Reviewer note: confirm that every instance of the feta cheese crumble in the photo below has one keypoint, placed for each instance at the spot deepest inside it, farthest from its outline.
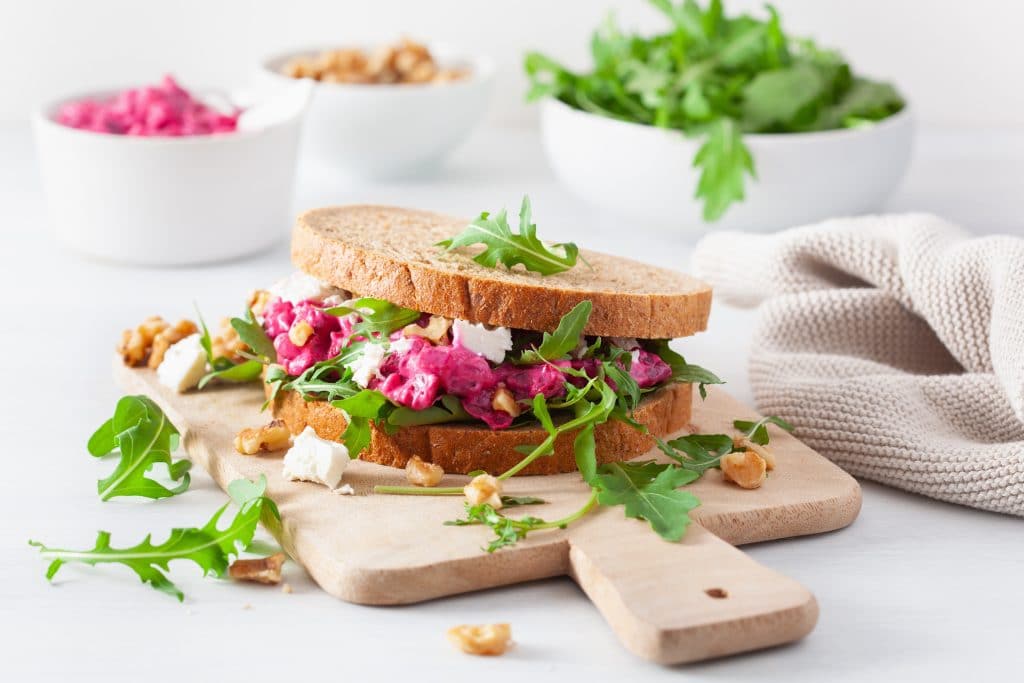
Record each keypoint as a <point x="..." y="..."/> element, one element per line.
<point x="314" y="459"/>
<point x="299" y="287"/>
<point x="367" y="365"/>
<point x="491" y="344"/>
<point x="183" y="365"/>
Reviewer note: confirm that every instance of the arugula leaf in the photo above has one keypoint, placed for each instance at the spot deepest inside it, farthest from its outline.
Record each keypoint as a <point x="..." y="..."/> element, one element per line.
<point x="450" y="410"/>
<point x="758" y="431"/>
<point x="715" y="77"/>
<point x="681" y="370"/>
<point x="509" y="531"/>
<point x="243" y="372"/>
<point x="252" y="333"/>
<point x="648" y="491"/>
<point x="558" y="344"/>
<point x="143" y="437"/>
<point x="503" y="246"/>
<point x="210" y="547"/>
<point x="359" y="409"/>
<point x="697" y="452"/>
<point x="515" y="501"/>
<point x="377" y="316"/>
<point x="723" y="159"/>
<point x="328" y="380"/>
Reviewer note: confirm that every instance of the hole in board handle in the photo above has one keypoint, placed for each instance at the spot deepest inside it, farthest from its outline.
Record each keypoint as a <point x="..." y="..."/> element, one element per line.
<point x="717" y="593"/>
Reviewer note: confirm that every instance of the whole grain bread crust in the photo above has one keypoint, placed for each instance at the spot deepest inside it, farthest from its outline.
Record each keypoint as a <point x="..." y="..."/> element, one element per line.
<point x="390" y="253"/>
<point x="461" y="448"/>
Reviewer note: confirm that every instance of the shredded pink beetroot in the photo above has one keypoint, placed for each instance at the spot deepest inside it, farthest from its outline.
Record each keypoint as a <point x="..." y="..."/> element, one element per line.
<point x="416" y="376"/>
<point x="166" y="109"/>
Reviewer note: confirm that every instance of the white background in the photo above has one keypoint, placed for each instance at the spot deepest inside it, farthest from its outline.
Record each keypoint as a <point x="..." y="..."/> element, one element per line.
<point x="913" y="590"/>
<point x="958" y="61"/>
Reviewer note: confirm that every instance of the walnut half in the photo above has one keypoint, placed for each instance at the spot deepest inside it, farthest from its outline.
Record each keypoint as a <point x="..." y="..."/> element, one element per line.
<point x="746" y="469"/>
<point x="420" y="473"/>
<point x="273" y="436"/>
<point x="484" y="489"/>
<point x="485" y="639"/>
<point x="266" y="570"/>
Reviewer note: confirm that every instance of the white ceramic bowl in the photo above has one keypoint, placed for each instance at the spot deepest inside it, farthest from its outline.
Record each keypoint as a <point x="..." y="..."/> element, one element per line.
<point x="168" y="201"/>
<point x="646" y="173"/>
<point x="377" y="132"/>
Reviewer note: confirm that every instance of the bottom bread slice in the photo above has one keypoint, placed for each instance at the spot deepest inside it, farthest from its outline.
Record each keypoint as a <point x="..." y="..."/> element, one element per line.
<point x="462" y="448"/>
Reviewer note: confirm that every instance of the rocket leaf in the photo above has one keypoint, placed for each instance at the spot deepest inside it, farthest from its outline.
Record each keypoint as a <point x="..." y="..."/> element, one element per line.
<point x="143" y="437"/>
<point x="210" y="547"/>
<point x="501" y="245"/>
<point x="647" y="490"/>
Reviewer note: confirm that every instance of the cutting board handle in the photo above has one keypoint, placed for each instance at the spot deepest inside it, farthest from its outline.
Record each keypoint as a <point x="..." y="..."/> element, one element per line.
<point x="687" y="601"/>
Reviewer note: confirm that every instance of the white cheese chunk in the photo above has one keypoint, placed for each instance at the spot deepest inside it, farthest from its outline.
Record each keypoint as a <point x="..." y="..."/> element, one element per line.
<point x="314" y="459"/>
<point x="367" y="365"/>
<point x="400" y="345"/>
<point x="184" y="364"/>
<point x="491" y="344"/>
<point x="299" y="287"/>
<point x="345" y="490"/>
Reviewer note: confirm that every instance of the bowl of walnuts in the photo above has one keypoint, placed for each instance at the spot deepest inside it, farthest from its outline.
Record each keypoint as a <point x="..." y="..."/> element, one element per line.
<point x="388" y="111"/>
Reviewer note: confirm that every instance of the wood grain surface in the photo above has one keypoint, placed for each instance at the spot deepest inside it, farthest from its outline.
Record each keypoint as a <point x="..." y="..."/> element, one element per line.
<point x="388" y="550"/>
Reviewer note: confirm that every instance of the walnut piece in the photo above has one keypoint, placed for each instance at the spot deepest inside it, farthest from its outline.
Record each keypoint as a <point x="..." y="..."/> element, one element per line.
<point x="504" y="400"/>
<point x="419" y="473"/>
<point x="404" y="62"/>
<point x="484" y="489"/>
<point x="273" y="436"/>
<point x="227" y="344"/>
<point x="485" y="639"/>
<point x="763" y="451"/>
<point x="147" y="343"/>
<point x="746" y="469"/>
<point x="300" y="332"/>
<point x="436" y="330"/>
<point x="258" y="300"/>
<point x="266" y="570"/>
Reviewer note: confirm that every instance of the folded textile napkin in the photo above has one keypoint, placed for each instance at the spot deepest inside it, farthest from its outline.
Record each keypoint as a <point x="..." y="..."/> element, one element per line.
<point x="895" y="344"/>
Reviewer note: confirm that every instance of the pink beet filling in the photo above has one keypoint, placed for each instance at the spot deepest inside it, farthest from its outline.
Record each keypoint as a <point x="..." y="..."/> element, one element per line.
<point x="417" y="376"/>
<point x="166" y="110"/>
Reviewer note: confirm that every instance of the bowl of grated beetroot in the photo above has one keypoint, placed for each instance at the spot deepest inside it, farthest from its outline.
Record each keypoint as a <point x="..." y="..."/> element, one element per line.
<point x="158" y="175"/>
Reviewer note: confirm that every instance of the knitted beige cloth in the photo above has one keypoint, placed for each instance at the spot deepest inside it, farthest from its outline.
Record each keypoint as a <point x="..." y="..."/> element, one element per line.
<point x="895" y="344"/>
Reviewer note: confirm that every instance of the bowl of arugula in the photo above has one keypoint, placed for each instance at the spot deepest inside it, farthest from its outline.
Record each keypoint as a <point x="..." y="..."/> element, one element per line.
<point x="720" y="122"/>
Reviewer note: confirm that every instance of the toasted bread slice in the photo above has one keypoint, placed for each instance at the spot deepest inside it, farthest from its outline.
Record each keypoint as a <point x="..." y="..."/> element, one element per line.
<point x="390" y="253"/>
<point x="463" y="448"/>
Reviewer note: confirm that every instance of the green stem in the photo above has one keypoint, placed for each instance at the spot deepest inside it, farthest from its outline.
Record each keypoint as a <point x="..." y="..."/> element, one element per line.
<point x="419" y="490"/>
<point x="564" y="521"/>
<point x="540" y="450"/>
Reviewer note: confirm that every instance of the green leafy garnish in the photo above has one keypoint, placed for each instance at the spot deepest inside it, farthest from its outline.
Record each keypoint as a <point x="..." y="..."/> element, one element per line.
<point x="449" y="410"/>
<point x="716" y="78"/>
<point x="143" y="437"/>
<point x="377" y="317"/>
<point x="683" y="371"/>
<point x="509" y="531"/>
<point x="360" y="409"/>
<point x="758" y="431"/>
<point x="564" y="339"/>
<point x="503" y="246"/>
<point x="210" y="547"/>
<point x="648" y="490"/>
<point x="254" y="336"/>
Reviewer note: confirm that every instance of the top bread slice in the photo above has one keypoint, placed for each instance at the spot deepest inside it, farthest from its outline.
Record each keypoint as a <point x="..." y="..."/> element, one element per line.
<point x="390" y="253"/>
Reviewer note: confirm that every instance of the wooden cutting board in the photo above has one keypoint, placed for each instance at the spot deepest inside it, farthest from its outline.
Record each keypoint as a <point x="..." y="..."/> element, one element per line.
<point x="385" y="550"/>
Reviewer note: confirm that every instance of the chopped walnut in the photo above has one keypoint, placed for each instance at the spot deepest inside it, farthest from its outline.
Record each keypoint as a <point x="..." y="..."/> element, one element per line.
<point x="436" y="329"/>
<point x="504" y="400"/>
<point x="420" y="473"/>
<point x="485" y="639"/>
<point x="300" y="332"/>
<point x="484" y="489"/>
<point x="258" y="300"/>
<point x="168" y="337"/>
<point x="405" y="62"/>
<point x="746" y="469"/>
<point x="227" y="344"/>
<point x="763" y="451"/>
<point x="147" y="343"/>
<point x="265" y="570"/>
<point x="273" y="436"/>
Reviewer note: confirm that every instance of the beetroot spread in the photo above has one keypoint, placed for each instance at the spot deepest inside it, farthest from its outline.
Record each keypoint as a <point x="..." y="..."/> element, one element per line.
<point x="165" y="110"/>
<point x="417" y="372"/>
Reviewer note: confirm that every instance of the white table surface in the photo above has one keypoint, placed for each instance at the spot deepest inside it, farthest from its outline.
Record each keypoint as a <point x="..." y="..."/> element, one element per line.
<point x="913" y="590"/>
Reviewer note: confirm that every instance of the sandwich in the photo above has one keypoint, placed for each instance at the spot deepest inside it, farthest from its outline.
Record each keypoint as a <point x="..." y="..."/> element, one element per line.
<point x="400" y="348"/>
